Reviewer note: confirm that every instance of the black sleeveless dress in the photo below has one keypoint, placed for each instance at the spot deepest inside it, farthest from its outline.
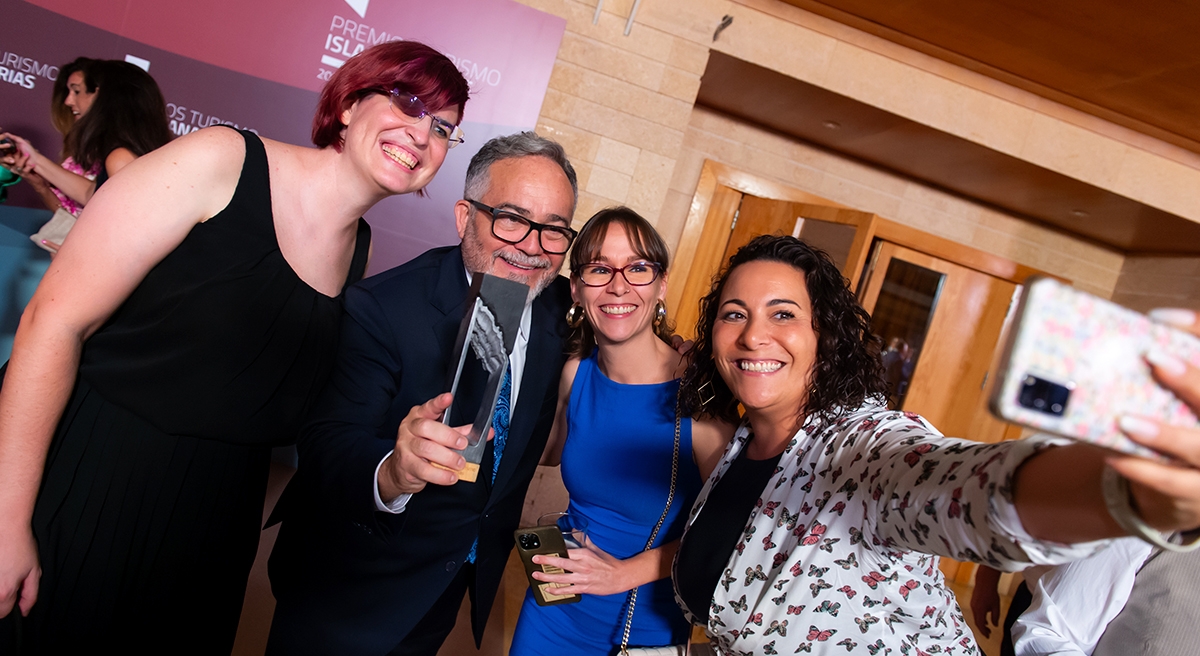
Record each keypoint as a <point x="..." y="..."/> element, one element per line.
<point x="148" y="517"/>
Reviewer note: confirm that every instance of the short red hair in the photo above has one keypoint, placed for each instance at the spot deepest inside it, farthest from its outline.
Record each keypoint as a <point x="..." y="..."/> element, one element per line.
<point x="410" y="65"/>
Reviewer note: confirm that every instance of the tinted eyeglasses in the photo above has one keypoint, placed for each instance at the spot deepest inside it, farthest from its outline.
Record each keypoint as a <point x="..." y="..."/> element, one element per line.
<point x="598" y="274"/>
<point x="513" y="228"/>
<point x="412" y="109"/>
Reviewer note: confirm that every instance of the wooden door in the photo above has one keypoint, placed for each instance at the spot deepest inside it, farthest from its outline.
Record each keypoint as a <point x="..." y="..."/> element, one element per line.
<point x="949" y="318"/>
<point x="834" y="230"/>
<point x="735" y="218"/>
<point x="966" y="318"/>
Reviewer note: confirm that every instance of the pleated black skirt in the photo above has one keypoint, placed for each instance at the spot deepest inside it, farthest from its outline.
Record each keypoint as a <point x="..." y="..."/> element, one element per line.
<point x="146" y="539"/>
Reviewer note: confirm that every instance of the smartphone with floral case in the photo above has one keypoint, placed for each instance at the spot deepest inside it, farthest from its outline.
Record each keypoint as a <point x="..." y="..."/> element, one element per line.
<point x="1073" y="365"/>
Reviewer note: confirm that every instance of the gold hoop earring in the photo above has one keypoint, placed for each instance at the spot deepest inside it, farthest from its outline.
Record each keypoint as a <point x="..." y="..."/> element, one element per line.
<point x="660" y="314"/>
<point x="575" y="316"/>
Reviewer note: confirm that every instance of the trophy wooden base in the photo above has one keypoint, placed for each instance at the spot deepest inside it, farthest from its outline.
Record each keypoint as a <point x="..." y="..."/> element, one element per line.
<point x="469" y="472"/>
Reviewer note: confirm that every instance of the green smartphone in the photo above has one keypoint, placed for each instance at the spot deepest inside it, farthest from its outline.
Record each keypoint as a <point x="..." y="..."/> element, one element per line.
<point x="548" y="541"/>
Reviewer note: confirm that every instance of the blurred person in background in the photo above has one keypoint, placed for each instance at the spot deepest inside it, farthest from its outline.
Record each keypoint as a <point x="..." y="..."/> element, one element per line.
<point x="69" y="98"/>
<point x="117" y="114"/>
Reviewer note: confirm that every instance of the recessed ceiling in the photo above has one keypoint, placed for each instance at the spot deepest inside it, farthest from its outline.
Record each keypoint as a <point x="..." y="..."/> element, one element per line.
<point x="1136" y="64"/>
<point x="847" y="126"/>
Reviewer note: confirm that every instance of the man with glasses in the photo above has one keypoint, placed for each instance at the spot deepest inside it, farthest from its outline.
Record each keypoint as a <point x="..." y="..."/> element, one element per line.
<point x="378" y="544"/>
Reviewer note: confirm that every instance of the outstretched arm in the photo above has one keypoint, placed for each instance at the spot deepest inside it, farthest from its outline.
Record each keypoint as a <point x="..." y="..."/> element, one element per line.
<point x="39" y="185"/>
<point x="1038" y="500"/>
<point x="27" y="160"/>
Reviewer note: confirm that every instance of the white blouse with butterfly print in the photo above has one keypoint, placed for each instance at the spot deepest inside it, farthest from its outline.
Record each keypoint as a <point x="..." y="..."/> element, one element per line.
<point x="836" y="554"/>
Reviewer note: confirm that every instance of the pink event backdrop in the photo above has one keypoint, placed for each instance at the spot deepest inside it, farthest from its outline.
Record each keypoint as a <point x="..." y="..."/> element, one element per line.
<point x="259" y="65"/>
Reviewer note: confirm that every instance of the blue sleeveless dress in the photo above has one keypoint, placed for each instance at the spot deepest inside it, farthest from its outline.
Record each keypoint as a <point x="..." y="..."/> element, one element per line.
<point x="616" y="465"/>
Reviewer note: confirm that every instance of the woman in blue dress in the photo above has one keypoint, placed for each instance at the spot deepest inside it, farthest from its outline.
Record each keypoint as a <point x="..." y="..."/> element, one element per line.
<point x="614" y="437"/>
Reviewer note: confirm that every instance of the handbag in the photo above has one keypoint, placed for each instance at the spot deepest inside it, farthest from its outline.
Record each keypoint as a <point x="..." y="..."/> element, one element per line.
<point x="670" y="650"/>
<point x="55" y="230"/>
<point x="673" y="650"/>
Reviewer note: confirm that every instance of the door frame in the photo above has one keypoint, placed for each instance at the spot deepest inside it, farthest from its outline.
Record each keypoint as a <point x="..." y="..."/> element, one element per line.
<point x="705" y="232"/>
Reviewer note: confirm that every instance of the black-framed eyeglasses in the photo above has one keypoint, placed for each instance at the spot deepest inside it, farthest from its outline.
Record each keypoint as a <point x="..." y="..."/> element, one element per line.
<point x="512" y="228"/>
<point x="411" y="108"/>
<point x="638" y="274"/>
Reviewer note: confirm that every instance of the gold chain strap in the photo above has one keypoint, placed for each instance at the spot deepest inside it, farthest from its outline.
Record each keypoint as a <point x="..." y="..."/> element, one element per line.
<point x="654" y="534"/>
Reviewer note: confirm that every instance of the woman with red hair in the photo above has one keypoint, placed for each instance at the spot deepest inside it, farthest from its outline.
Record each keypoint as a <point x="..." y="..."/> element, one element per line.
<point x="185" y="328"/>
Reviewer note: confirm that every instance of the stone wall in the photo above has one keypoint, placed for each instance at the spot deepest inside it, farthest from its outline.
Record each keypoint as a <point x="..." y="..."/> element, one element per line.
<point x="624" y="108"/>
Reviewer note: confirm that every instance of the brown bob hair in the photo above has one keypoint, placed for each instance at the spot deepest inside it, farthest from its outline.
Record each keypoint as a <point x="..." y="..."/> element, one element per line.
<point x="646" y="242"/>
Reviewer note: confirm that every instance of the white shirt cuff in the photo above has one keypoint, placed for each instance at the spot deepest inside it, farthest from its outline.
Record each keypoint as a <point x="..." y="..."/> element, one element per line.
<point x="397" y="505"/>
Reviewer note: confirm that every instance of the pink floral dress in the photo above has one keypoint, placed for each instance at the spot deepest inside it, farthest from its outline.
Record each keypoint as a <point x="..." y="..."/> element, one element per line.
<point x="71" y="165"/>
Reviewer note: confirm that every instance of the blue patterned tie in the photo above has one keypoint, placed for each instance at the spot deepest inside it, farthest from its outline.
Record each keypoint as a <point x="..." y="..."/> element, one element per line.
<point x="500" y="420"/>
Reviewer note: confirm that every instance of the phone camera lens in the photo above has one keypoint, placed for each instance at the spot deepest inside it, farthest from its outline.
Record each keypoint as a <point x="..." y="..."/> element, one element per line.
<point x="529" y="541"/>
<point x="1044" y="396"/>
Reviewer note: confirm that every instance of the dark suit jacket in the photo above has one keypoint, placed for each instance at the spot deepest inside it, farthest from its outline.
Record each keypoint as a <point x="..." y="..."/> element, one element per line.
<point x="352" y="580"/>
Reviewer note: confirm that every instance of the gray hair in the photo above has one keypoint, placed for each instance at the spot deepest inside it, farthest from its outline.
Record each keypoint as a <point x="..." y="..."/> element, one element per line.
<point x="521" y="144"/>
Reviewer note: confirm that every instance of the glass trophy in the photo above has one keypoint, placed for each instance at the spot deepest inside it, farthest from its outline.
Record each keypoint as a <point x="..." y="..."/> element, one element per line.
<point x="485" y="340"/>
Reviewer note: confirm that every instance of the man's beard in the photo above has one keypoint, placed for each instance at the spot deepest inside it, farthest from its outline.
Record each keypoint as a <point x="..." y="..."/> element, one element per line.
<point x="478" y="259"/>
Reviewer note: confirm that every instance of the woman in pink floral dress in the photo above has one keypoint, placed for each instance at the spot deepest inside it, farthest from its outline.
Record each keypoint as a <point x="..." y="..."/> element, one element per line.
<point x="69" y="100"/>
<point x="119" y="115"/>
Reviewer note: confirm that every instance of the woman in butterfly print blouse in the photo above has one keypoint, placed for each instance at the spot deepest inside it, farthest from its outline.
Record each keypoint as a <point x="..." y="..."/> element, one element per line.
<point x="838" y="553"/>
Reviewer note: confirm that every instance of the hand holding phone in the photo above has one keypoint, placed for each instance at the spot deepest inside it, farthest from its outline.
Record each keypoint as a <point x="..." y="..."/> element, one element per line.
<point x="16" y="154"/>
<point x="1074" y="364"/>
<point x="1167" y="495"/>
<point x="543" y="540"/>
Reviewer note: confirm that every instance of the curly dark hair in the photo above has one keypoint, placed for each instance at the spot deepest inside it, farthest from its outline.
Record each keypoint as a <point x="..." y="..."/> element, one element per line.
<point x="848" y="369"/>
<point x="646" y="242"/>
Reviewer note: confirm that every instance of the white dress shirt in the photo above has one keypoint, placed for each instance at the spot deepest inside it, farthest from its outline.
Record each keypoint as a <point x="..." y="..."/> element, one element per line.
<point x="516" y="362"/>
<point x="1074" y="602"/>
